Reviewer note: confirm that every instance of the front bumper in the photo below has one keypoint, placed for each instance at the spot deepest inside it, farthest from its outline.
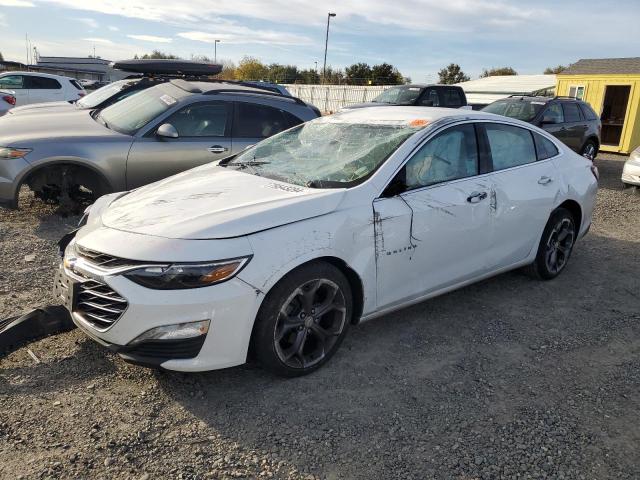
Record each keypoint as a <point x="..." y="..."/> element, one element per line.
<point x="231" y="308"/>
<point x="11" y="171"/>
<point x="631" y="173"/>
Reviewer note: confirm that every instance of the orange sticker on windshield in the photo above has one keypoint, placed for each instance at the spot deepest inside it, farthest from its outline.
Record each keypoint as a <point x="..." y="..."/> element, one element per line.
<point x="419" y="122"/>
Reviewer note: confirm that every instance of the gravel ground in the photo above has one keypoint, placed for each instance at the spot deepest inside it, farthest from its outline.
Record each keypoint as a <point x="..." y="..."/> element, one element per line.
<point x="508" y="378"/>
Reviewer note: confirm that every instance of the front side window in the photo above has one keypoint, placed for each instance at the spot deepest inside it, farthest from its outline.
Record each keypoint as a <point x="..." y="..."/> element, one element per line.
<point x="510" y="146"/>
<point x="571" y="112"/>
<point x="13" y="82"/>
<point x="553" y="114"/>
<point x="42" y="83"/>
<point x="201" y="120"/>
<point x="521" y="109"/>
<point x="134" y="112"/>
<point x="451" y="155"/>
<point x="398" y="95"/>
<point x="326" y="153"/>
<point x="430" y="98"/>
<point x="261" y="121"/>
<point x="544" y="147"/>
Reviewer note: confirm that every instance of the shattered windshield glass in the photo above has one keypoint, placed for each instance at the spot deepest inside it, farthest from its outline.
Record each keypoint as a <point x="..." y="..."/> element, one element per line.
<point x="326" y="153"/>
<point x="398" y="95"/>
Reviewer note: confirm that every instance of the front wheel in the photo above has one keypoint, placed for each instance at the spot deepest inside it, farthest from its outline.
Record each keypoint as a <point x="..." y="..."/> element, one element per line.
<point x="555" y="246"/>
<point x="303" y="320"/>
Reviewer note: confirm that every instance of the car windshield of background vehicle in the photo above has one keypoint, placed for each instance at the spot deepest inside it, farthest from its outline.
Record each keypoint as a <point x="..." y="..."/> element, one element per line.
<point x="326" y="153"/>
<point x="521" y="109"/>
<point x="398" y="95"/>
<point x="96" y="98"/>
<point x="134" y="112"/>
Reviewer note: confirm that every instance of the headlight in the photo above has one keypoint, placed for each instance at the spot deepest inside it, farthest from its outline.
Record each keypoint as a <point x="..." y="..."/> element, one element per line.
<point x="8" y="152"/>
<point x="187" y="275"/>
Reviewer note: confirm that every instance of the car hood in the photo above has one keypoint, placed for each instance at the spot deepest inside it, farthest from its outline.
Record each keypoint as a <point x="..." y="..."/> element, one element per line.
<point x="17" y="130"/>
<point x="369" y="104"/>
<point x="44" y="108"/>
<point x="212" y="202"/>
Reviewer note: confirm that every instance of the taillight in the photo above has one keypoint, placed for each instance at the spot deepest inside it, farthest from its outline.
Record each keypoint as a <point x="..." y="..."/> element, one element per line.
<point x="595" y="171"/>
<point x="10" y="99"/>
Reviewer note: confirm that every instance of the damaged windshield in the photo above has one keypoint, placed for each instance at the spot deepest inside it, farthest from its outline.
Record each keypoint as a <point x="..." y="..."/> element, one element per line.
<point x="326" y="153"/>
<point x="398" y="95"/>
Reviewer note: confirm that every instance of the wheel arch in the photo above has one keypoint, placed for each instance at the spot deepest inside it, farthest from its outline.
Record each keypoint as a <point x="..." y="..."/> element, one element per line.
<point x="60" y="163"/>
<point x="591" y="138"/>
<point x="576" y="212"/>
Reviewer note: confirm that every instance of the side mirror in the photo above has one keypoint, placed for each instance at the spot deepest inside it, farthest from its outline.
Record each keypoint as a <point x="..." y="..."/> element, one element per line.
<point x="167" y="130"/>
<point x="548" y="120"/>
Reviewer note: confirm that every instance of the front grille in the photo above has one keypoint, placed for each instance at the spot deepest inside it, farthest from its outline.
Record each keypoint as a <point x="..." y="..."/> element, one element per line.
<point x="98" y="304"/>
<point x="103" y="260"/>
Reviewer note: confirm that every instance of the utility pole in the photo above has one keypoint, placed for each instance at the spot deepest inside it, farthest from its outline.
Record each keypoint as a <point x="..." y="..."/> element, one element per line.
<point x="215" y="51"/>
<point x="326" y="44"/>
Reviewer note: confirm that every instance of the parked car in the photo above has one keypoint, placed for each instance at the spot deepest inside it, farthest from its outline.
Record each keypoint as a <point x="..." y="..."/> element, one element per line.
<point x="631" y="170"/>
<point x="449" y="96"/>
<point x="7" y="101"/>
<point x="275" y="252"/>
<point x="160" y="131"/>
<point x="34" y="87"/>
<point x="572" y="121"/>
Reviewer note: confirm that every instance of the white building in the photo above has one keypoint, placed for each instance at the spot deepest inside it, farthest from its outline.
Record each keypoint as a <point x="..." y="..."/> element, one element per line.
<point x="484" y="91"/>
<point x="80" y="68"/>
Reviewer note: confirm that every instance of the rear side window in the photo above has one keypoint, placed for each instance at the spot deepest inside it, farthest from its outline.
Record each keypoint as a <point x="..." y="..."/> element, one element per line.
<point x="510" y="146"/>
<point x="42" y="83"/>
<point x="452" y="98"/>
<point x="571" y="112"/>
<point x="544" y="147"/>
<point x="201" y="120"/>
<point x="261" y="121"/>
<point x="588" y="112"/>
<point x="75" y="84"/>
<point x="13" y="82"/>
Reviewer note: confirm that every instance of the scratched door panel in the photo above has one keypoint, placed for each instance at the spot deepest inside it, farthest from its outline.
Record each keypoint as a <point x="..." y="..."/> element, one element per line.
<point x="431" y="238"/>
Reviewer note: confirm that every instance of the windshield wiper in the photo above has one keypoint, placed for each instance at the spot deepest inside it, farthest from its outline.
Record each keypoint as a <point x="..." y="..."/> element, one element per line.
<point x="251" y="163"/>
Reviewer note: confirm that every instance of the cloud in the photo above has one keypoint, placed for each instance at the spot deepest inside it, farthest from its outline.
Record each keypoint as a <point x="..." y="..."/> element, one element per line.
<point x="113" y="28"/>
<point x="239" y="35"/>
<point x="16" y="3"/>
<point x="103" y="41"/>
<point x="3" y="20"/>
<point x="89" y="22"/>
<point x="151" y="38"/>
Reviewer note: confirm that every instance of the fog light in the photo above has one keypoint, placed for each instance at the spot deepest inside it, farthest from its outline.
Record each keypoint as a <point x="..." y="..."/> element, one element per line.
<point x="179" y="331"/>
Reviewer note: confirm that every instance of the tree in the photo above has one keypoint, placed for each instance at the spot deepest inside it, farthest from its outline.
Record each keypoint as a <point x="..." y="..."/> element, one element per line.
<point x="156" y="55"/>
<point x="308" y="77"/>
<point x="335" y="77"/>
<point x="358" y="74"/>
<point x="385" y="74"/>
<point x="554" y="70"/>
<point x="282" y="73"/>
<point x="251" y="68"/>
<point x="451" y="74"/>
<point x="502" y="71"/>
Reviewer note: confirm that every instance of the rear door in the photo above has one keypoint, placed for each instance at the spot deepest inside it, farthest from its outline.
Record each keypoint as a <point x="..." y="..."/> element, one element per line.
<point x="525" y="186"/>
<point x="44" y="89"/>
<point x="576" y="125"/>
<point x="254" y="122"/>
<point x="15" y="83"/>
<point x="204" y="136"/>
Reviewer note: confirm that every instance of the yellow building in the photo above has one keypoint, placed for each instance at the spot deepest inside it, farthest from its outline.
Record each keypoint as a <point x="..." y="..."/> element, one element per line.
<point x="612" y="87"/>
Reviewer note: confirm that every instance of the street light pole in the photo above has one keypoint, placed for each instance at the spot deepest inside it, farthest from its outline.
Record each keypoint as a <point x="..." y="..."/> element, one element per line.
<point x="326" y="44"/>
<point x="215" y="51"/>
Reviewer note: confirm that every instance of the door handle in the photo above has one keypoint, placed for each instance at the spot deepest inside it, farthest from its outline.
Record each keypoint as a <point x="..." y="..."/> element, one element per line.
<point x="217" y="149"/>
<point x="476" y="197"/>
<point x="544" y="180"/>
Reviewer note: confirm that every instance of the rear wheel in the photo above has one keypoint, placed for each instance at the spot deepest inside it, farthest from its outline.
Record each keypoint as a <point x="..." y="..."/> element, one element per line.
<point x="555" y="246"/>
<point x="589" y="150"/>
<point x="303" y="320"/>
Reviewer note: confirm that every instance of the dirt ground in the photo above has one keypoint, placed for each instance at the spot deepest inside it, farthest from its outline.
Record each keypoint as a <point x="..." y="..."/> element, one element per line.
<point x="509" y="378"/>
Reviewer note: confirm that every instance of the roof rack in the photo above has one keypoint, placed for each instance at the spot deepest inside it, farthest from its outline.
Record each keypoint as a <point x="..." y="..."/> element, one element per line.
<point x="566" y="97"/>
<point x="252" y="92"/>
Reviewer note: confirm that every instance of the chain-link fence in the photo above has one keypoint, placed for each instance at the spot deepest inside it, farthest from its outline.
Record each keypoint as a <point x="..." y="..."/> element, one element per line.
<point x="330" y="98"/>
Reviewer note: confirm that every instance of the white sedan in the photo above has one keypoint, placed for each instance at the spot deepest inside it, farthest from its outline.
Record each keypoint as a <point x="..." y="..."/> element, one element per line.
<point x="274" y="253"/>
<point x="631" y="170"/>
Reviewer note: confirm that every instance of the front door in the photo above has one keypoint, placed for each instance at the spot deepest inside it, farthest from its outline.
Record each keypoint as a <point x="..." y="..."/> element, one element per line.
<point x="203" y="137"/>
<point x="435" y="233"/>
<point x="43" y="89"/>
<point x="575" y="124"/>
<point x="553" y="122"/>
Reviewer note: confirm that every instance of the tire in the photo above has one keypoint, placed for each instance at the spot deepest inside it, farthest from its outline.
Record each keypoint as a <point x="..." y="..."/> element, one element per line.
<point x="304" y="340"/>
<point x="559" y="236"/>
<point x="589" y="150"/>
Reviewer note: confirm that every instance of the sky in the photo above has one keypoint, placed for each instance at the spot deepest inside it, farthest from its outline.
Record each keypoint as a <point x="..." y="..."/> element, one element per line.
<point x="417" y="36"/>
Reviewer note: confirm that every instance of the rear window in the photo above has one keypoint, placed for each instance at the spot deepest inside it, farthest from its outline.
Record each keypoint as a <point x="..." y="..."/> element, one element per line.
<point x="261" y="121"/>
<point x="544" y="147"/>
<point x="588" y="112"/>
<point x="571" y="112"/>
<point x="525" y="110"/>
<point x="76" y="84"/>
<point x="42" y="83"/>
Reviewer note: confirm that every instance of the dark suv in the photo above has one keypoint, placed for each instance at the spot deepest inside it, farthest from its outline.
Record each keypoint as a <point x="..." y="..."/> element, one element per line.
<point x="449" y="96"/>
<point x="572" y="121"/>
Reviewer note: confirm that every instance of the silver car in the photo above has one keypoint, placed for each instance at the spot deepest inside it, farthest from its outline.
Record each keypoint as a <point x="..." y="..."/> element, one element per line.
<point x="631" y="171"/>
<point x="158" y="132"/>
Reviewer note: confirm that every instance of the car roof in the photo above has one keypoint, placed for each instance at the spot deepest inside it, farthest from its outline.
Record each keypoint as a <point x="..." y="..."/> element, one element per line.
<point x="210" y="86"/>
<point x="38" y="74"/>
<point x="410" y="113"/>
